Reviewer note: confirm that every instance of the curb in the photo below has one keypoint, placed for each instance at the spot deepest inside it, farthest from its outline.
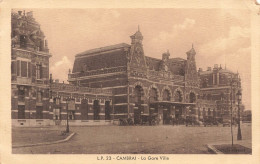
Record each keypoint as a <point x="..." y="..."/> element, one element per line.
<point x="45" y="143"/>
<point x="211" y="148"/>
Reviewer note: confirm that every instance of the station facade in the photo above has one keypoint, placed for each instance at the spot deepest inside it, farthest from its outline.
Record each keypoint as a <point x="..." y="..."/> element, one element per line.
<point x="111" y="83"/>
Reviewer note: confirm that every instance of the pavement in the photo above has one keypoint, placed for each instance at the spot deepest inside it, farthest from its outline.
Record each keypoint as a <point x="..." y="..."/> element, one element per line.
<point x="35" y="135"/>
<point x="246" y="143"/>
<point x="45" y="143"/>
<point x="166" y="139"/>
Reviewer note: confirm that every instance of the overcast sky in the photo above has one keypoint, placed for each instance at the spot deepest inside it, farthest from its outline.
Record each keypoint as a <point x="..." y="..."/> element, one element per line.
<point x="219" y="36"/>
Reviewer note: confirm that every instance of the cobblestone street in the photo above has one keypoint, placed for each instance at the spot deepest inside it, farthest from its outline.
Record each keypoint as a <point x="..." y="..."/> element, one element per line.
<point x="139" y="140"/>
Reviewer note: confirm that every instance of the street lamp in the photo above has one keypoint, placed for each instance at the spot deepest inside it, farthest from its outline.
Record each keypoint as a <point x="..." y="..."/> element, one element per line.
<point x="67" y="127"/>
<point x="231" y="98"/>
<point x="239" y="97"/>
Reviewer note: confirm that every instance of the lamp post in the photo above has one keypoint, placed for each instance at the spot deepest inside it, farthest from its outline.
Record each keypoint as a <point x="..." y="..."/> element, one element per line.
<point x="231" y="98"/>
<point x="239" y="97"/>
<point x="67" y="127"/>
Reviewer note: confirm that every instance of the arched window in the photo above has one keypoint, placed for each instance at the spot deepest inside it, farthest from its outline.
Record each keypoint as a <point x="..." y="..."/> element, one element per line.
<point x="138" y="92"/>
<point x="166" y="95"/>
<point x="178" y="96"/>
<point x="153" y="95"/>
<point x="192" y="97"/>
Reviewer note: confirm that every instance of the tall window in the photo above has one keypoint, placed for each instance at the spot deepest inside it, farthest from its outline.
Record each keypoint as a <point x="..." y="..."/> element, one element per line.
<point x="166" y="95"/>
<point x="23" y="41"/>
<point x="96" y="108"/>
<point x="84" y="109"/>
<point x="21" y="94"/>
<point x="71" y="115"/>
<point x="153" y="95"/>
<point x="178" y="96"/>
<point x="57" y="101"/>
<point x="21" y="112"/>
<point x="39" y="96"/>
<point x="56" y="114"/>
<point x="23" y="69"/>
<point x="38" y="71"/>
<point x="107" y="110"/>
<point x="39" y="113"/>
<point x="192" y="97"/>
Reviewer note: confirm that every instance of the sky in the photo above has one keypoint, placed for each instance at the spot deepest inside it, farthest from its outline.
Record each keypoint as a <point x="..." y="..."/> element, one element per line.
<point x="219" y="36"/>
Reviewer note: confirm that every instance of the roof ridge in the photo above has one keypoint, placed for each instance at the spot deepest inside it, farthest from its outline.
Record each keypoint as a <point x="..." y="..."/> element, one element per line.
<point x="102" y="49"/>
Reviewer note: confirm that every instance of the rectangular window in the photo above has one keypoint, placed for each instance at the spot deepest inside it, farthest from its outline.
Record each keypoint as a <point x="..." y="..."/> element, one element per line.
<point x="23" y="41"/>
<point x="38" y="71"/>
<point x="96" y="108"/>
<point x="107" y="110"/>
<point x="39" y="113"/>
<point x="21" y="95"/>
<point x="84" y="109"/>
<point x="71" y="115"/>
<point x="23" y="69"/>
<point x="39" y="96"/>
<point x="42" y="72"/>
<point x="18" y="67"/>
<point x="21" y="112"/>
<point x="13" y="67"/>
<point x="57" y="101"/>
<point x="56" y="114"/>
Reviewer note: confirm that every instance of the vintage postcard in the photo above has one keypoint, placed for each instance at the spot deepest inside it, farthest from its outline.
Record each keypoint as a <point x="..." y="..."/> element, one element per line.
<point x="108" y="82"/>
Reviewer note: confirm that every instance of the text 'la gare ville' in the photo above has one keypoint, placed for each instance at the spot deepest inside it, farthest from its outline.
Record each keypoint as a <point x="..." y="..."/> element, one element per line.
<point x="132" y="158"/>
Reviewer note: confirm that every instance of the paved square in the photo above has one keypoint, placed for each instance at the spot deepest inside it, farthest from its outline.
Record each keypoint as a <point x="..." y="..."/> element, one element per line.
<point x="140" y="140"/>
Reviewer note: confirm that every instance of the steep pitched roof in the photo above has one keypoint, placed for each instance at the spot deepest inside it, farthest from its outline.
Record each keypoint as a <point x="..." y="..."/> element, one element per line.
<point x="101" y="58"/>
<point x="103" y="49"/>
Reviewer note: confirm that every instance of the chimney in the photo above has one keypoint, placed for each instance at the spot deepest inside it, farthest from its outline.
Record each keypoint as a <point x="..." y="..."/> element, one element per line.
<point x="29" y="14"/>
<point x="57" y="81"/>
<point x="215" y="65"/>
<point x="200" y="69"/>
<point x="20" y="12"/>
<point x="209" y="69"/>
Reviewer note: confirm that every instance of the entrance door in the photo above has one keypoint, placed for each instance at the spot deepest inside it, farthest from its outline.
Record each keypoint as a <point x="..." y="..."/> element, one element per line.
<point x="137" y="115"/>
<point x="166" y="116"/>
<point x="178" y="113"/>
<point x="138" y="99"/>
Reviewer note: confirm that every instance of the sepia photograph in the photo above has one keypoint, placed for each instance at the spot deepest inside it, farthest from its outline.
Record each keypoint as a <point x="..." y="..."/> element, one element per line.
<point x="130" y="81"/>
<point x="109" y="83"/>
